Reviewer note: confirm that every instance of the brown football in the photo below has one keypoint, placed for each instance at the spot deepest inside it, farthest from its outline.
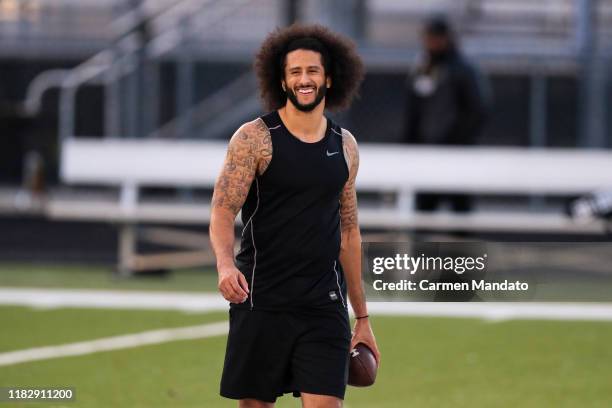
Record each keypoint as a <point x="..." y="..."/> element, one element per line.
<point x="362" y="366"/>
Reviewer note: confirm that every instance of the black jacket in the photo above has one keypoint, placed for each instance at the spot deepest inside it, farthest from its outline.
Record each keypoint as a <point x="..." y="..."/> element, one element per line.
<point x="447" y="103"/>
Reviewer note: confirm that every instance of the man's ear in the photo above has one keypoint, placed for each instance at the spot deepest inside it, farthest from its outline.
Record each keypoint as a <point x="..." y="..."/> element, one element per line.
<point x="283" y="85"/>
<point x="328" y="82"/>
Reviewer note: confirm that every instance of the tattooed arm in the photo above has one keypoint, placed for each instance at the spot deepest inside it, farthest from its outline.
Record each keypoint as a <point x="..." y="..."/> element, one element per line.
<point x="248" y="154"/>
<point x="350" y="248"/>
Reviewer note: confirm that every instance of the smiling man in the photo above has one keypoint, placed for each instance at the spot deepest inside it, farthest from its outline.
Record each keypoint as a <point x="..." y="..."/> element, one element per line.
<point x="292" y="173"/>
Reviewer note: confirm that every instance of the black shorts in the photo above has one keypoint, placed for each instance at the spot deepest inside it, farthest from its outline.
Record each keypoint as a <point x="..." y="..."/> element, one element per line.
<point x="272" y="353"/>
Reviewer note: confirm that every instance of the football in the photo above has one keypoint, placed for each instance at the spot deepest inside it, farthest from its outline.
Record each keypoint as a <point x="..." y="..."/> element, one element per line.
<point x="362" y="366"/>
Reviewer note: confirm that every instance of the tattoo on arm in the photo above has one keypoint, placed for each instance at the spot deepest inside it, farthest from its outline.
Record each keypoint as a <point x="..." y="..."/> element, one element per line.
<point x="248" y="154"/>
<point x="348" y="199"/>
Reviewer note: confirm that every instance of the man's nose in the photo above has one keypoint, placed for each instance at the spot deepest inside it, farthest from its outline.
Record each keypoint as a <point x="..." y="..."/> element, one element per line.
<point x="305" y="79"/>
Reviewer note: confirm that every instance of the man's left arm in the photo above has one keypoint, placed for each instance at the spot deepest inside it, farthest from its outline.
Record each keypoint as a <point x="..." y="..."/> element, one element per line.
<point x="350" y="248"/>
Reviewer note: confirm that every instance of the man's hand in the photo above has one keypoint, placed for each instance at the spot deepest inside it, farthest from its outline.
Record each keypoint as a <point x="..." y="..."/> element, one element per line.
<point x="232" y="284"/>
<point x="362" y="333"/>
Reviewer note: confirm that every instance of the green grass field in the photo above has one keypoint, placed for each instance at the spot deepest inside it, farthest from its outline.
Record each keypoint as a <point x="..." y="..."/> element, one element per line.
<point x="427" y="362"/>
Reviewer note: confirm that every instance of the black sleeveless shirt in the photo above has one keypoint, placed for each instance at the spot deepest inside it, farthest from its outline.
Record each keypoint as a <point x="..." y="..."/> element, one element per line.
<point x="290" y="242"/>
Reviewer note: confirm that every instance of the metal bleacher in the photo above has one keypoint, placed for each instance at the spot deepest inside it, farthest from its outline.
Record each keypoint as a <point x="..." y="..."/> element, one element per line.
<point x="539" y="38"/>
<point x="132" y="165"/>
<point x="56" y="27"/>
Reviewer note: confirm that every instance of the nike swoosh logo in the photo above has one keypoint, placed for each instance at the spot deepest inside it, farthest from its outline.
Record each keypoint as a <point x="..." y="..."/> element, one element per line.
<point x="331" y="154"/>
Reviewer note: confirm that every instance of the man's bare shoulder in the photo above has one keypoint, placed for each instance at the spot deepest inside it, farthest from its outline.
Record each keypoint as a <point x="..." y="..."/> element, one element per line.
<point x="253" y="139"/>
<point x="351" y="150"/>
<point x="347" y="137"/>
<point x="251" y="132"/>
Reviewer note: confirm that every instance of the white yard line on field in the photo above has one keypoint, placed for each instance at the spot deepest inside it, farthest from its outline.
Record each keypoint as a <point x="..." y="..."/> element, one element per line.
<point x="207" y="302"/>
<point x="496" y="311"/>
<point x="113" y="343"/>
<point x="112" y="299"/>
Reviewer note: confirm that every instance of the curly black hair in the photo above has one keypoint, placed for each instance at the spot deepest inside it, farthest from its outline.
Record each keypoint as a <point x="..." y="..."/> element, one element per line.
<point x="339" y="56"/>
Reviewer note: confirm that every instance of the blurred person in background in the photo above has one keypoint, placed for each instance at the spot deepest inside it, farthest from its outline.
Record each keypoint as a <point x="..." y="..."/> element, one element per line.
<point x="448" y="100"/>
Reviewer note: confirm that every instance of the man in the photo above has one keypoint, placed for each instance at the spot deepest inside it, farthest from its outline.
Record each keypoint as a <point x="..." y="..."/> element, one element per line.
<point x="292" y="173"/>
<point x="447" y="102"/>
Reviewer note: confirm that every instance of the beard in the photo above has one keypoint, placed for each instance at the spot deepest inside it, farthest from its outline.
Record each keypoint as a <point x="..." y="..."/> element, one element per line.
<point x="309" y="106"/>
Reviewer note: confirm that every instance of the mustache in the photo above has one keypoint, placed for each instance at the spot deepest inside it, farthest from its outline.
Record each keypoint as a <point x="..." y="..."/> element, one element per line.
<point x="306" y="87"/>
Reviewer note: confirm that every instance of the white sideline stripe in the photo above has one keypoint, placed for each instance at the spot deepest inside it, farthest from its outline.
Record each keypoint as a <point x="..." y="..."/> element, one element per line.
<point x="113" y="343"/>
<point x="112" y="299"/>
<point x="496" y="311"/>
<point x="207" y="302"/>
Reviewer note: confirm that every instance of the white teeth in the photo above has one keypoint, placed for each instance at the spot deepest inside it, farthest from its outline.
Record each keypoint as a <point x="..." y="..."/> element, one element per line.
<point x="305" y="91"/>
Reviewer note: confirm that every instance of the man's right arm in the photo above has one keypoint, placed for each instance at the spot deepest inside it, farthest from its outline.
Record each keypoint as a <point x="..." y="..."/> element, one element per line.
<point x="248" y="152"/>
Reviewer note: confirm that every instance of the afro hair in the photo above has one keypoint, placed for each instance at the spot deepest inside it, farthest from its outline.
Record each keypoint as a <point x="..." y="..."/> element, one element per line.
<point x="340" y="60"/>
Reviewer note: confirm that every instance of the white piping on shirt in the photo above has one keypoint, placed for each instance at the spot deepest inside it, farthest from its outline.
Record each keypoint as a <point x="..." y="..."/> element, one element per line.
<point x="338" y="283"/>
<point x="254" y="247"/>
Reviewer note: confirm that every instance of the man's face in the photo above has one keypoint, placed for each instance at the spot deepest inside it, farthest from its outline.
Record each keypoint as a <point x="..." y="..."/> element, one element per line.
<point x="305" y="82"/>
<point x="435" y="44"/>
